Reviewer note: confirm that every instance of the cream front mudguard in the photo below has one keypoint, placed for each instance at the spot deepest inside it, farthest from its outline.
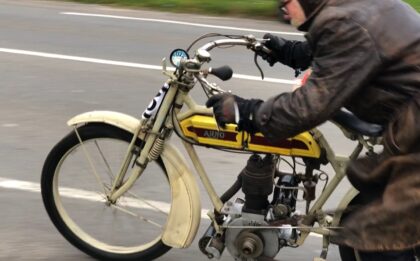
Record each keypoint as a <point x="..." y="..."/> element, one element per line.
<point x="185" y="213"/>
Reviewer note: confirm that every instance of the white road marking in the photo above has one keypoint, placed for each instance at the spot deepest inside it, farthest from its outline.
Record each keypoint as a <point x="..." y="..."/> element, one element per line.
<point x="92" y="196"/>
<point x="10" y="125"/>
<point x="80" y="59"/>
<point x="181" y="23"/>
<point x="129" y="64"/>
<point x="88" y="195"/>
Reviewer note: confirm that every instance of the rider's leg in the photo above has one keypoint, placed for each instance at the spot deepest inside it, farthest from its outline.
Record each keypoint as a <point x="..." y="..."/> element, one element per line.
<point x="390" y="183"/>
<point x="407" y="255"/>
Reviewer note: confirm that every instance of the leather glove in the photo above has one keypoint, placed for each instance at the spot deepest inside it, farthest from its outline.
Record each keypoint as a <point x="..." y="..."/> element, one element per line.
<point x="228" y="108"/>
<point x="276" y="45"/>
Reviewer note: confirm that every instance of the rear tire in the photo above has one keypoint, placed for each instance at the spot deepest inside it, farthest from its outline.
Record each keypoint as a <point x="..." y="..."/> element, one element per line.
<point x="71" y="201"/>
<point x="348" y="253"/>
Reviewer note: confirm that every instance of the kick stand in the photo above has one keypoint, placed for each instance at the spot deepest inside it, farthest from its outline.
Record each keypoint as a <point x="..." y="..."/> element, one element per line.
<point x="325" y="244"/>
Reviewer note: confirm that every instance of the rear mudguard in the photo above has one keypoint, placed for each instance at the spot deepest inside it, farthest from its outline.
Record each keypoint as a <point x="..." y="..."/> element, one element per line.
<point x="185" y="214"/>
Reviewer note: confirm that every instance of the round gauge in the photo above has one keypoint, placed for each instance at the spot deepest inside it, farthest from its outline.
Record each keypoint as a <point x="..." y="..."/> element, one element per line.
<point x="177" y="55"/>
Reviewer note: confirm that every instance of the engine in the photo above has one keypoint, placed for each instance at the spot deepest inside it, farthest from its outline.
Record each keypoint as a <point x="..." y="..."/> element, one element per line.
<point x="255" y="228"/>
<point x="247" y="237"/>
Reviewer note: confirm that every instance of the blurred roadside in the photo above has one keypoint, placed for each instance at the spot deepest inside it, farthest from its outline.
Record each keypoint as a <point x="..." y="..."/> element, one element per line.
<point x="263" y="9"/>
<point x="414" y="3"/>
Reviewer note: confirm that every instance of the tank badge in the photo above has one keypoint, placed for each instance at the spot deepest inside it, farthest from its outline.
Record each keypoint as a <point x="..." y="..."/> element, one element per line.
<point x="214" y="134"/>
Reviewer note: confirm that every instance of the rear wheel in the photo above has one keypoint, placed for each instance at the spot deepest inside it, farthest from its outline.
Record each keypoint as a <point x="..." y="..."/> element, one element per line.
<point x="348" y="253"/>
<point x="76" y="178"/>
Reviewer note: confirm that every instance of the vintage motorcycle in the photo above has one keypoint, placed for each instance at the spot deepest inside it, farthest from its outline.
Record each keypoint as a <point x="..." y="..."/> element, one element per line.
<point x="117" y="189"/>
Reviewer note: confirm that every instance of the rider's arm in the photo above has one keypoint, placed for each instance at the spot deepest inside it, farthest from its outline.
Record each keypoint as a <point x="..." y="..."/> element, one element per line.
<point x="345" y="59"/>
<point x="296" y="54"/>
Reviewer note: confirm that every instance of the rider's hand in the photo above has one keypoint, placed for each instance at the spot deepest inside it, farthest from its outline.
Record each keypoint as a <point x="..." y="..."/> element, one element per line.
<point x="228" y="108"/>
<point x="275" y="44"/>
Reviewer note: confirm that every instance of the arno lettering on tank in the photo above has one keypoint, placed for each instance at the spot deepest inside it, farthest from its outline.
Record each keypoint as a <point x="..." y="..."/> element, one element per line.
<point x="214" y="134"/>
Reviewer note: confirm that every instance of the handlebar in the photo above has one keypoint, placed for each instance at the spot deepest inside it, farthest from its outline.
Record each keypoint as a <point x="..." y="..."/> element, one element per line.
<point x="250" y="42"/>
<point x="257" y="45"/>
<point x="224" y="42"/>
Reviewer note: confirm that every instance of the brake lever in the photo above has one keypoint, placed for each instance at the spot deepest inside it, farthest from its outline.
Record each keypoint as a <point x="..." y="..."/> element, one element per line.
<point x="258" y="66"/>
<point x="258" y="47"/>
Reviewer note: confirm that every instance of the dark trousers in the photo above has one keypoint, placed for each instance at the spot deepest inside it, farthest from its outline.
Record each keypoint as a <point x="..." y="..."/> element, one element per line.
<point x="390" y="182"/>
<point x="388" y="256"/>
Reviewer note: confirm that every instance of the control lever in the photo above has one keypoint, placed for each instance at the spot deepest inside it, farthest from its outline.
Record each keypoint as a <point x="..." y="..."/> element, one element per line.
<point x="258" y="66"/>
<point x="259" y="49"/>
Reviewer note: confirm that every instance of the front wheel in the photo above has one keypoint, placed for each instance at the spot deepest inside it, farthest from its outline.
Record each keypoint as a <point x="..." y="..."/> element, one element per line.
<point x="76" y="179"/>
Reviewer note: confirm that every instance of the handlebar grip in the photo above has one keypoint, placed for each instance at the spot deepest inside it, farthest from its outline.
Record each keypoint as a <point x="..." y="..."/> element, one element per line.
<point x="260" y="48"/>
<point x="224" y="73"/>
<point x="266" y="50"/>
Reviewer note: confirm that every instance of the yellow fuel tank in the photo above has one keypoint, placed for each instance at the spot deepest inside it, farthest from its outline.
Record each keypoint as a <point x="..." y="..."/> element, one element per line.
<point x="204" y="130"/>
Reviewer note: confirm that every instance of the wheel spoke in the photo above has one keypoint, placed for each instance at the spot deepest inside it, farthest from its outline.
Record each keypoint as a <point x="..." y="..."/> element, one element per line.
<point x="92" y="166"/>
<point x="147" y="203"/>
<point x="136" y="215"/>
<point x="110" y="174"/>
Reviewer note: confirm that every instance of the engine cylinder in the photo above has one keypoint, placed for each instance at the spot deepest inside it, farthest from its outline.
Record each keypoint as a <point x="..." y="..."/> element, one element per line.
<point x="257" y="183"/>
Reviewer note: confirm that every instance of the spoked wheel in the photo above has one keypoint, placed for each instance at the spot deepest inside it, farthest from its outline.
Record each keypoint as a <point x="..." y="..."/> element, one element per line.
<point x="348" y="253"/>
<point x="76" y="179"/>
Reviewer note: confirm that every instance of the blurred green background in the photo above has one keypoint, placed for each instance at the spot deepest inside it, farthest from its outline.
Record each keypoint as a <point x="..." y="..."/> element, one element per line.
<point x="256" y="8"/>
<point x="415" y="4"/>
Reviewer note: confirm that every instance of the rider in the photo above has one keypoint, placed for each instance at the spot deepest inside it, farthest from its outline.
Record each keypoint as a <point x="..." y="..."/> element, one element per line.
<point x="365" y="56"/>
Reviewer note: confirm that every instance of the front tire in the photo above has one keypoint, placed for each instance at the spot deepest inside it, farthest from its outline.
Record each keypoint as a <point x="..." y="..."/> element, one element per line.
<point x="76" y="177"/>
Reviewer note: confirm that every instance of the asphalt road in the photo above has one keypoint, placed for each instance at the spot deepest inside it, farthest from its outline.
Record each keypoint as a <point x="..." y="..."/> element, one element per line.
<point x="56" y="63"/>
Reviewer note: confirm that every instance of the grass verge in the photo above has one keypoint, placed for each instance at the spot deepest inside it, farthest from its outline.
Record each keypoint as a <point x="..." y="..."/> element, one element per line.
<point x="249" y="8"/>
<point x="256" y="8"/>
<point x="415" y="4"/>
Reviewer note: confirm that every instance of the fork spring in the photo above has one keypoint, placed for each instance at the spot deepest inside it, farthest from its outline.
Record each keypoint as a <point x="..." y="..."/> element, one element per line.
<point x="156" y="149"/>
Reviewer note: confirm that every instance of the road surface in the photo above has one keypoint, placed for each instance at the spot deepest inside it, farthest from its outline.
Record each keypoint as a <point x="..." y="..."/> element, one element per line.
<point x="61" y="59"/>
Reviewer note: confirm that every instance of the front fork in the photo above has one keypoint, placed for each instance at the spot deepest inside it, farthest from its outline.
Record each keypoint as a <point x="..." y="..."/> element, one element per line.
<point x="152" y="136"/>
<point x="118" y="187"/>
<point x="126" y="162"/>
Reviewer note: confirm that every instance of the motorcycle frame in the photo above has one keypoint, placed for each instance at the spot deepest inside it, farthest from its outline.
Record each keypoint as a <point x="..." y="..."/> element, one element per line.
<point x="163" y="119"/>
<point x="337" y="162"/>
<point x="161" y="126"/>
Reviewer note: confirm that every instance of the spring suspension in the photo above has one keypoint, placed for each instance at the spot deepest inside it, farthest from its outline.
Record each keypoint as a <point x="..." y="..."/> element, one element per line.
<point x="156" y="149"/>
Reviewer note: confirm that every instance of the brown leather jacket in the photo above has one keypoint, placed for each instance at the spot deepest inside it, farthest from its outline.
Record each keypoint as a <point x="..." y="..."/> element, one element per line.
<point x="366" y="57"/>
